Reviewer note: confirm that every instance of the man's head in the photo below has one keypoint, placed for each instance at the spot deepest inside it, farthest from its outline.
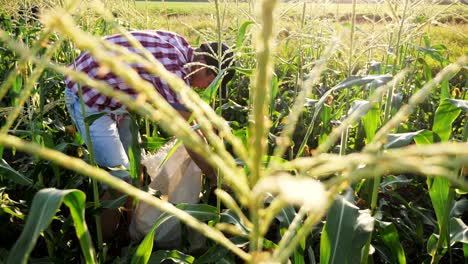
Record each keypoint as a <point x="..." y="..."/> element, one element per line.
<point x="207" y="54"/>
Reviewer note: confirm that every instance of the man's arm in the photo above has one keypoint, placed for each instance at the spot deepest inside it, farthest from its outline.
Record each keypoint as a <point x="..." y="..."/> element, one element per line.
<point x="206" y="168"/>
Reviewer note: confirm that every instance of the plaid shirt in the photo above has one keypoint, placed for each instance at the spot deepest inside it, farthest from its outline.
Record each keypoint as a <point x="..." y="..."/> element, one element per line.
<point x="168" y="48"/>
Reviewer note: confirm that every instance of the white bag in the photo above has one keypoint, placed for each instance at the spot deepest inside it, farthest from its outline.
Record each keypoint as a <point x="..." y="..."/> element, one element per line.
<point x="179" y="179"/>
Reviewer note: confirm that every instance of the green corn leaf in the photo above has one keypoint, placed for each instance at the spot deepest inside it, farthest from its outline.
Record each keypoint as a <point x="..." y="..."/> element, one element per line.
<point x="231" y="217"/>
<point x="45" y="204"/>
<point x="244" y="71"/>
<point x="465" y="251"/>
<point x="213" y="255"/>
<point x="363" y="227"/>
<point x="153" y="143"/>
<point x="219" y="254"/>
<point x="444" y="90"/>
<point x="310" y="102"/>
<point x="404" y="139"/>
<point x="12" y="211"/>
<point x="371" y="121"/>
<point x="459" y="208"/>
<point x="391" y="239"/>
<point x="395" y="181"/>
<point x="432" y="244"/>
<point x="445" y="115"/>
<point x="426" y="68"/>
<point x="268" y="158"/>
<point x="426" y="137"/>
<point x="116" y="203"/>
<point x="397" y="100"/>
<point x="461" y="104"/>
<point x="442" y="199"/>
<point x="384" y="254"/>
<point x="134" y="152"/>
<point x="439" y="189"/>
<point x="89" y="120"/>
<point x="360" y="81"/>
<point x="241" y="34"/>
<point x="346" y="231"/>
<point x="285" y="217"/>
<point x="458" y="231"/>
<point x="75" y="200"/>
<point x="310" y="251"/>
<point x="298" y="255"/>
<point x="134" y="166"/>
<point x="202" y="212"/>
<point x="13" y="175"/>
<point x="16" y="87"/>
<point x="356" y="105"/>
<point x="274" y="92"/>
<point x="433" y="53"/>
<point x="401" y="139"/>
<point x="143" y="252"/>
<point x="348" y="83"/>
<point x="325" y="117"/>
<point x="62" y="147"/>
<point x="173" y="255"/>
<point x="209" y="94"/>
<point x="442" y="196"/>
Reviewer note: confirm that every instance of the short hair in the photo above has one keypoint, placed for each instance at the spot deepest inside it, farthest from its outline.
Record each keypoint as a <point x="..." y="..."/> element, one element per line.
<point x="209" y="51"/>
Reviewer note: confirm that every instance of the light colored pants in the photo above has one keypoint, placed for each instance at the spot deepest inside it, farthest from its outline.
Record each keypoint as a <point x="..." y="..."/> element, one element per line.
<point x="111" y="139"/>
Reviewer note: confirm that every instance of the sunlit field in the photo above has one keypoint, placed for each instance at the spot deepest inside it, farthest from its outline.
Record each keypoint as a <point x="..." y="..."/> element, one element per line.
<point x="340" y="139"/>
<point x="445" y="24"/>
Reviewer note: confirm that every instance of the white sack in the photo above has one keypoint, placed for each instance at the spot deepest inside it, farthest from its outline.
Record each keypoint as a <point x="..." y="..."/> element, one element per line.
<point x="180" y="180"/>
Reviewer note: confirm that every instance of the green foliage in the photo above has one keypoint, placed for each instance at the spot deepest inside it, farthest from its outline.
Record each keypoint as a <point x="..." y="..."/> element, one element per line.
<point x="391" y="239"/>
<point x="345" y="233"/>
<point x="202" y="212"/>
<point x="43" y="208"/>
<point x="174" y="255"/>
<point x="9" y="172"/>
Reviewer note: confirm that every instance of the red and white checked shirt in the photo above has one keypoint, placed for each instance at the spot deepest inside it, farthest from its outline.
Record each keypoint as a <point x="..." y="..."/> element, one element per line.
<point x="168" y="48"/>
